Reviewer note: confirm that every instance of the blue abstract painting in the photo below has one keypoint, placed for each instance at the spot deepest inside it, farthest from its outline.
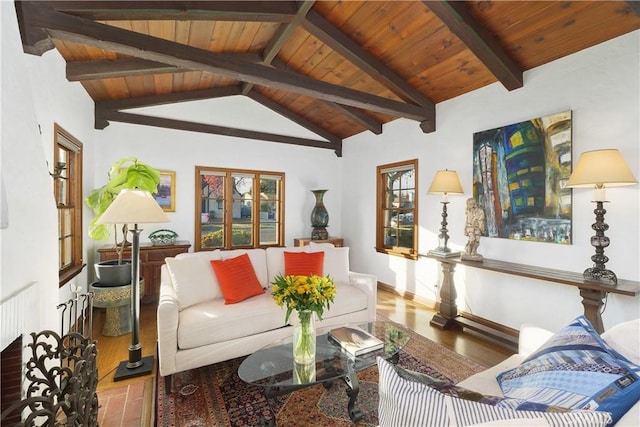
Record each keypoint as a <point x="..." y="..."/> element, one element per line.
<point x="519" y="179"/>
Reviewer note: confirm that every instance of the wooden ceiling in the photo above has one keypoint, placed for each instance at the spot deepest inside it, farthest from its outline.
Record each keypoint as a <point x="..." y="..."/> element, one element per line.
<point x="337" y="68"/>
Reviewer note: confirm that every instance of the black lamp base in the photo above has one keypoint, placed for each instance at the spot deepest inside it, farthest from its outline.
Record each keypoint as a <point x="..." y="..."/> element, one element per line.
<point x="123" y="373"/>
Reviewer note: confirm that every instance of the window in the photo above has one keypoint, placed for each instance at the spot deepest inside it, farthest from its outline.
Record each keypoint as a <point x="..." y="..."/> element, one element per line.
<point x="397" y="209"/>
<point x="67" y="181"/>
<point x="238" y="208"/>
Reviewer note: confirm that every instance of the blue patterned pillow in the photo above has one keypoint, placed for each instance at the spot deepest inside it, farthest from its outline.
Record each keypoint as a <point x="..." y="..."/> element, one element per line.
<point x="576" y="369"/>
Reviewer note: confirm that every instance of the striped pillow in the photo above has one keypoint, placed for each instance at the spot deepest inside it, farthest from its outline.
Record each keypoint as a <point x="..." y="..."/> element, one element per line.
<point x="409" y="402"/>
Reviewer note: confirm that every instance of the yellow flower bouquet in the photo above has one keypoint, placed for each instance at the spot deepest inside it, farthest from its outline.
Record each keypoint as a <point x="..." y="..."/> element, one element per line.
<point x="302" y="293"/>
<point x="306" y="295"/>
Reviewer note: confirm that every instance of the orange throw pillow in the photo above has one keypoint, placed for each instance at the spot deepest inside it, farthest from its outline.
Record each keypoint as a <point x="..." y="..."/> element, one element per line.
<point x="303" y="263"/>
<point x="238" y="280"/>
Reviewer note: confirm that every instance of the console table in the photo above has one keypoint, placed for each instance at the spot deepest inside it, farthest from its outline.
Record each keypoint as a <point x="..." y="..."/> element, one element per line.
<point x="592" y="293"/>
<point x="338" y="242"/>
<point x="151" y="260"/>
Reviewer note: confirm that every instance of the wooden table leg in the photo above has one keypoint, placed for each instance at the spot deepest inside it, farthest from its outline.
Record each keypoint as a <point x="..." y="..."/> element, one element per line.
<point x="592" y="301"/>
<point x="448" y="311"/>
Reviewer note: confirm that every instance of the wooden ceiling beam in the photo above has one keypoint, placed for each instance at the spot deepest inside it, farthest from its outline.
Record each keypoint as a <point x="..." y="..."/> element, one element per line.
<point x="634" y="5"/>
<point x="296" y="118"/>
<point x="477" y="38"/>
<point x="354" y="53"/>
<point x="354" y="114"/>
<point x="338" y="41"/>
<point x="254" y="11"/>
<point x="138" y="119"/>
<point x="168" y="98"/>
<point x="125" y="67"/>
<point x="360" y="117"/>
<point x="280" y="38"/>
<point x="107" y="69"/>
<point x="83" y="31"/>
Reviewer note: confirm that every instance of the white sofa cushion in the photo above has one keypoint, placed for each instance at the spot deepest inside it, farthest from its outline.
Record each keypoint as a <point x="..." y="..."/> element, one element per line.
<point x="275" y="261"/>
<point x="625" y="339"/>
<point x="258" y="261"/>
<point x="193" y="278"/>
<point x="212" y="321"/>
<point x="336" y="262"/>
<point x="349" y="299"/>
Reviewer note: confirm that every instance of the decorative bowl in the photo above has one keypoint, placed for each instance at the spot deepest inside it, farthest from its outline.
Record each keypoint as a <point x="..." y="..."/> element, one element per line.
<point x="163" y="237"/>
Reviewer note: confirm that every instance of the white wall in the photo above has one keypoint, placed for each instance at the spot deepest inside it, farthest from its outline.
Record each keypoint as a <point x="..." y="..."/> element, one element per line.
<point x="29" y="243"/>
<point x="600" y="85"/>
<point x="305" y="168"/>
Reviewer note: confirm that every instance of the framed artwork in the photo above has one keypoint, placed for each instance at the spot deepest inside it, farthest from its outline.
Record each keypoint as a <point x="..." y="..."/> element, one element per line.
<point x="519" y="179"/>
<point x="166" y="194"/>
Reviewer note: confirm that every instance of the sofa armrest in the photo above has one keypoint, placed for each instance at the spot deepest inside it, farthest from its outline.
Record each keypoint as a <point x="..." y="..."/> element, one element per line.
<point x="368" y="283"/>
<point x="167" y="325"/>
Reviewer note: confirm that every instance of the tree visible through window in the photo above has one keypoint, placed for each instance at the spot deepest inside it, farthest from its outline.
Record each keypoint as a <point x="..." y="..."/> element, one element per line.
<point x="67" y="181"/>
<point x="238" y="208"/>
<point x="397" y="212"/>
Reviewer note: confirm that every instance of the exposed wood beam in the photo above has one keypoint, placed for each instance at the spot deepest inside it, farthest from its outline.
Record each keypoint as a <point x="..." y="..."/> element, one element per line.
<point x="484" y="46"/>
<point x="107" y="69"/>
<point x="353" y="52"/>
<point x="80" y="30"/>
<point x="360" y="117"/>
<point x="274" y="106"/>
<point x="124" y="67"/>
<point x="138" y="119"/>
<point x="258" y="11"/>
<point x="280" y="38"/>
<point x="169" y="98"/>
<point x="35" y="40"/>
<point x="634" y="5"/>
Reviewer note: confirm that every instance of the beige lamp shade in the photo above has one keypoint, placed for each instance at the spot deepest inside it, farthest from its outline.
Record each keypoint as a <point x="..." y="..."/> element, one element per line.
<point x="601" y="168"/>
<point x="133" y="207"/>
<point x="445" y="182"/>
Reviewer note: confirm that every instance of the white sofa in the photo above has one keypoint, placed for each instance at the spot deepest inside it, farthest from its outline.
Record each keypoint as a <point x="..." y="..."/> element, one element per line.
<point x="196" y="328"/>
<point x="624" y="338"/>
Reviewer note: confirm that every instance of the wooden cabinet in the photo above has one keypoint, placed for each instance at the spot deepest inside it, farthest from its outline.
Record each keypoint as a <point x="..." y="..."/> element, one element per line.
<point x="151" y="259"/>
<point x="338" y="242"/>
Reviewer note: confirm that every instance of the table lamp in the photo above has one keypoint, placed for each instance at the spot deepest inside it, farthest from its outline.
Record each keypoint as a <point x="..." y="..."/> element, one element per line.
<point x="445" y="182"/>
<point x="599" y="169"/>
<point x="134" y="207"/>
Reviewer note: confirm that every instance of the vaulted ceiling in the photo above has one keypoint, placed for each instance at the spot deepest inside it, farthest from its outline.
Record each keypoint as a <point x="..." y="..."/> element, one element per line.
<point x="337" y="68"/>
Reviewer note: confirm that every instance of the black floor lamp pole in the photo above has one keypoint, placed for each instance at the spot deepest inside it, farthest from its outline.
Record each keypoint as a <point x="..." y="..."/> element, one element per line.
<point x="136" y="365"/>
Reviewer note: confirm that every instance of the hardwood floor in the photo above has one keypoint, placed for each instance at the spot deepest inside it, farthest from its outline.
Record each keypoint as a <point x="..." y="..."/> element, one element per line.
<point x="113" y="350"/>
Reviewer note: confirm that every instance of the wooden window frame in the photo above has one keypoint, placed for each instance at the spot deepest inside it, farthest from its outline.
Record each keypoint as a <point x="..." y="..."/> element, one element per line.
<point x="381" y="189"/>
<point x="72" y="175"/>
<point x="227" y="222"/>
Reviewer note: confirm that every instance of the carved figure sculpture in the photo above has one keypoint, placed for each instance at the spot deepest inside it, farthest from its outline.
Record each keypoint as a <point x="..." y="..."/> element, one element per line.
<point x="474" y="228"/>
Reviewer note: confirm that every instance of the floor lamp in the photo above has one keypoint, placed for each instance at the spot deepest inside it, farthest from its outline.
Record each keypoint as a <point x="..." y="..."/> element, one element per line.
<point x="599" y="169"/>
<point x="134" y="207"/>
<point x="444" y="182"/>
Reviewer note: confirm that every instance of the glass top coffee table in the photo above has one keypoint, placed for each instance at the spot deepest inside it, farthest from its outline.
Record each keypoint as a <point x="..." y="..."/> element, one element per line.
<point x="273" y="368"/>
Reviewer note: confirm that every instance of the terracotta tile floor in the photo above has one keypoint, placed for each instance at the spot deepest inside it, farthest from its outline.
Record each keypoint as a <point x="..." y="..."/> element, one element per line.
<point x="121" y="406"/>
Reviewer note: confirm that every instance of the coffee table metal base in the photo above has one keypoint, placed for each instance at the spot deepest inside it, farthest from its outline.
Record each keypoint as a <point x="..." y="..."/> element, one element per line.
<point x="353" y="388"/>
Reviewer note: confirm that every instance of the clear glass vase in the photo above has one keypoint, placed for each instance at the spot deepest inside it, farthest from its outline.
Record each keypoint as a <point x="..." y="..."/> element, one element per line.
<point x="304" y="338"/>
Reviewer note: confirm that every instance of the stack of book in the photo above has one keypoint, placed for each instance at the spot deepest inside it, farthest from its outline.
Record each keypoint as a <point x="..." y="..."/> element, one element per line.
<point x="354" y="340"/>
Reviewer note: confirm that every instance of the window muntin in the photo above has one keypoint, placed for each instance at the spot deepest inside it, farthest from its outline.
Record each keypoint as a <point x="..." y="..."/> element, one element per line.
<point x="239" y="209"/>
<point x="67" y="182"/>
<point x="397" y="209"/>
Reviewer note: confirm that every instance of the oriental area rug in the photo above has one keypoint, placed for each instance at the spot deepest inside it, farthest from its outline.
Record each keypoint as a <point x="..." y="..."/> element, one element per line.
<point x="214" y="395"/>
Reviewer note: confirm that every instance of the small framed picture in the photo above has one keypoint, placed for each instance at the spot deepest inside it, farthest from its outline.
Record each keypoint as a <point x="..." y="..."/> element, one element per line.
<point x="166" y="194"/>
